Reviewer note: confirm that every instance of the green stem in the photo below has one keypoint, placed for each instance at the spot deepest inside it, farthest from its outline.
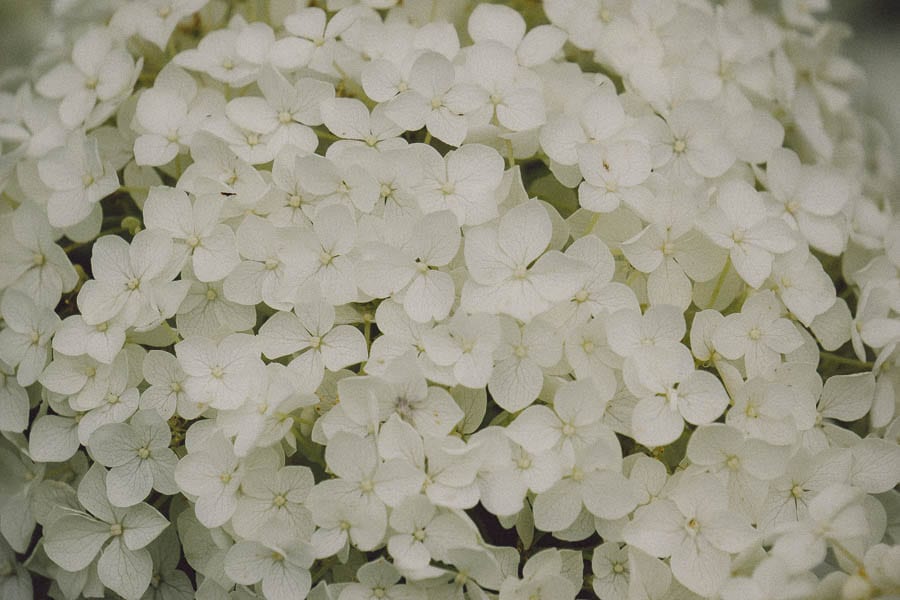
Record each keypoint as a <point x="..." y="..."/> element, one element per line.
<point x="852" y="557"/>
<point x="843" y="360"/>
<point x="719" y="283"/>
<point x="510" y="155"/>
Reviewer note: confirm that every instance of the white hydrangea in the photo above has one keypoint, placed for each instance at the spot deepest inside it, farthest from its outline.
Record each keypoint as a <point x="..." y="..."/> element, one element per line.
<point x="368" y="299"/>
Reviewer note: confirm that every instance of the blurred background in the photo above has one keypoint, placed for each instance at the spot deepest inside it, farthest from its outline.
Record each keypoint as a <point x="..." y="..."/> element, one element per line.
<point x="875" y="46"/>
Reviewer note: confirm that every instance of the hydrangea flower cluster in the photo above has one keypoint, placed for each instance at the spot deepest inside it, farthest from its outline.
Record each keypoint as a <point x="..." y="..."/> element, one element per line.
<point x="364" y="299"/>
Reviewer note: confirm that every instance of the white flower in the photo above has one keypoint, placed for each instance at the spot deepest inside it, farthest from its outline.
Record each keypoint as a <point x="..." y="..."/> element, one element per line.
<point x="220" y="374"/>
<point x="464" y="182"/>
<point x="467" y="344"/>
<point x="422" y="532"/>
<point x="511" y="95"/>
<point x="284" y="111"/>
<point x="78" y="179"/>
<point x="216" y="55"/>
<point x="206" y="312"/>
<point x="805" y="475"/>
<point x="30" y="261"/>
<point x="738" y="223"/>
<point x="310" y="334"/>
<point x="91" y="87"/>
<point x="769" y="411"/>
<point x="120" y="400"/>
<point x="671" y="250"/>
<point x="408" y="268"/>
<point x="758" y="334"/>
<point x="213" y="474"/>
<point x="550" y="573"/>
<point x="74" y="540"/>
<point x="170" y="113"/>
<point x="626" y="572"/>
<point x="809" y="198"/>
<point x="518" y="362"/>
<point x="509" y="472"/>
<point x="380" y="578"/>
<point x="132" y="281"/>
<point x="432" y="99"/>
<point x="262" y="276"/>
<point x="670" y="392"/>
<point x="612" y="172"/>
<point x="695" y="529"/>
<point x="323" y="258"/>
<point x="511" y="270"/>
<point x="745" y="466"/>
<point x="272" y="504"/>
<point x="166" y="378"/>
<point x="696" y="144"/>
<point x="102" y="341"/>
<point x="25" y="339"/>
<point x="835" y="516"/>
<point x="843" y="398"/>
<point x="284" y="572"/>
<point x="349" y="119"/>
<point x="503" y="24"/>
<point x="194" y="225"/>
<point x="340" y="520"/>
<point x="429" y="409"/>
<point x="154" y="20"/>
<point x="138" y="457"/>
<point x="599" y="295"/>
<point x="319" y="33"/>
<point x="574" y="421"/>
<point x="632" y="334"/>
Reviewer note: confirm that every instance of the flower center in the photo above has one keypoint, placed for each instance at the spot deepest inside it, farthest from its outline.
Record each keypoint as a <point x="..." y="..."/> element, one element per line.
<point x="284" y="117"/>
<point x="755" y="334"/>
<point x="618" y="568"/>
<point x="733" y="463"/>
<point x="143" y="453"/>
<point x="679" y="146"/>
<point x="115" y="529"/>
<point x="38" y="260"/>
<point x="279" y="500"/>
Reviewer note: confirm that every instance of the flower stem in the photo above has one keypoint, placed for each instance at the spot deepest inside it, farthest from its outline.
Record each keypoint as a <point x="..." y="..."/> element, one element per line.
<point x="719" y="283"/>
<point x="843" y="360"/>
